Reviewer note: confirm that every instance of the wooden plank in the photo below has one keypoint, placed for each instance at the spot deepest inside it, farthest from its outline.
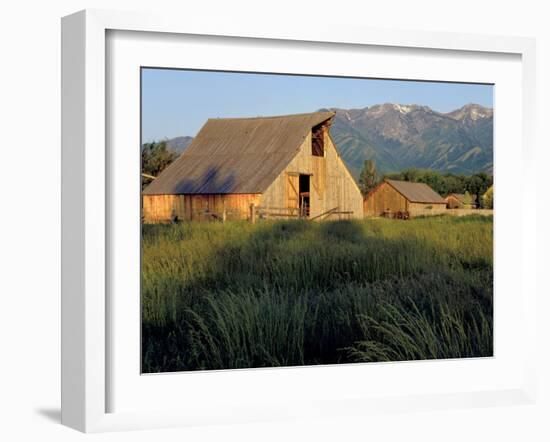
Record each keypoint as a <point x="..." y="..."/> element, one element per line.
<point x="162" y="208"/>
<point x="292" y="198"/>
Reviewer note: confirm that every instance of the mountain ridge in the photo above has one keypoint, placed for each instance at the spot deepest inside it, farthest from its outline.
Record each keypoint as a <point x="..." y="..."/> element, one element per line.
<point x="402" y="136"/>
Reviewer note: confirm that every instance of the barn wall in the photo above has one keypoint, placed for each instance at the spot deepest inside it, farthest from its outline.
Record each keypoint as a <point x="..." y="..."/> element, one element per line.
<point x="453" y="202"/>
<point x="163" y="208"/>
<point x="426" y="209"/>
<point x="344" y="192"/>
<point x="331" y="184"/>
<point x="382" y="198"/>
<point x="158" y="208"/>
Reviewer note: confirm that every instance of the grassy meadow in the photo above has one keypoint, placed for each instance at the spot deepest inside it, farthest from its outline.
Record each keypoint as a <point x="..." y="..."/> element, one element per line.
<point x="281" y="293"/>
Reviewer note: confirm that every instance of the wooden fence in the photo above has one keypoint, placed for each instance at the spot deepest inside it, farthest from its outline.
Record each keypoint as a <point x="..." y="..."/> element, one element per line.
<point x="429" y="212"/>
<point x="294" y="213"/>
<point x="464" y="212"/>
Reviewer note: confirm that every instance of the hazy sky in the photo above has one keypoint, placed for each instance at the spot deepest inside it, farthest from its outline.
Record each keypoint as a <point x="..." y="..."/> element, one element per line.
<point x="178" y="102"/>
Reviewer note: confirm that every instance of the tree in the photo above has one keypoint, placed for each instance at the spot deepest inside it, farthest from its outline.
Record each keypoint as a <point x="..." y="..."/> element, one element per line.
<point x="487" y="199"/>
<point x="467" y="201"/>
<point x="478" y="184"/>
<point x="453" y="184"/>
<point x="155" y="157"/>
<point x="368" y="178"/>
<point x="412" y="175"/>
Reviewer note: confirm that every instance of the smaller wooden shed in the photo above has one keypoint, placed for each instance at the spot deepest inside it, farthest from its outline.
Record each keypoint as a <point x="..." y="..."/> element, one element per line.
<point x="459" y="201"/>
<point x="403" y="198"/>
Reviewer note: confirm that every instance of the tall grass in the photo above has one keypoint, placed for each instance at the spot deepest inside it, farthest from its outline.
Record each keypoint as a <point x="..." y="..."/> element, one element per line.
<point x="239" y="295"/>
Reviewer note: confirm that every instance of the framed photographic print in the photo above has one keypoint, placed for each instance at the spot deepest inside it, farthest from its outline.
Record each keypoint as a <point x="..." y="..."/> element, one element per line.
<point x="269" y="223"/>
<point x="269" y="287"/>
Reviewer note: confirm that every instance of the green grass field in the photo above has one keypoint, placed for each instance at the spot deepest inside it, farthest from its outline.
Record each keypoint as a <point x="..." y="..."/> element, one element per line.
<point x="239" y="295"/>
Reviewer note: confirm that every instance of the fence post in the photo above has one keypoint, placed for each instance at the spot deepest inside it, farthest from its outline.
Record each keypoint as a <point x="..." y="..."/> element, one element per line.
<point x="252" y="213"/>
<point x="224" y="213"/>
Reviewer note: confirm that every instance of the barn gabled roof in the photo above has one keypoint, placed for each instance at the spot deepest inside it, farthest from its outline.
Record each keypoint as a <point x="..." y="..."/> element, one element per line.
<point x="237" y="155"/>
<point x="416" y="192"/>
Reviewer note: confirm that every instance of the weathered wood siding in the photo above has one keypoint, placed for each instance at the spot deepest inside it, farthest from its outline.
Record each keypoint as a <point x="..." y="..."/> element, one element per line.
<point x="453" y="202"/>
<point x="331" y="184"/>
<point x="292" y="197"/>
<point x="163" y="208"/>
<point x="426" y="209"/>
<point x="382" y="198"/>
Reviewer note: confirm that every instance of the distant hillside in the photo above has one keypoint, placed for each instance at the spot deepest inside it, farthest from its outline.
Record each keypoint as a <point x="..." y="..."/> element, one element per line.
<point x="179" y="144"/>
<point x="400" y="136"/>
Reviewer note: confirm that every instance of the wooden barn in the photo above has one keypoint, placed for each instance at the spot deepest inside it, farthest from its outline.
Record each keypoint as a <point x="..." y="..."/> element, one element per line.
<point x="460" y="201"/>
<point x="244" y="168"/>
<point x="403" y="199"/>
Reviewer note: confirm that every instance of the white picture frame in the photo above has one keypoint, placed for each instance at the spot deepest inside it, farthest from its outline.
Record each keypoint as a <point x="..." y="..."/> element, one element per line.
<point x="85" y="202"/>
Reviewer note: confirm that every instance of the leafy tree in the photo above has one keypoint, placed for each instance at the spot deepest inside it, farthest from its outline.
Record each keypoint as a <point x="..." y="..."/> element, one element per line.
<point x="452" y="184"/>
<point x="368" y="178"/>
<point x="467" y="200"/>
<point x="487" y="199"/>
<point x="155" y="157"/>
<point x="478" y="184"/>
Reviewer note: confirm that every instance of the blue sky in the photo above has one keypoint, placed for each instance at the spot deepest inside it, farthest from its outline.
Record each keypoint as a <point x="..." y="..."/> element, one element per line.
<point x="178" y="102"/>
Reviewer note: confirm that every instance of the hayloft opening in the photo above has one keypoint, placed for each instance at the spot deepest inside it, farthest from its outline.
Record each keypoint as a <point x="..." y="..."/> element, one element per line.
<point x="318" y="140"/>
<point x="303" y="189"/>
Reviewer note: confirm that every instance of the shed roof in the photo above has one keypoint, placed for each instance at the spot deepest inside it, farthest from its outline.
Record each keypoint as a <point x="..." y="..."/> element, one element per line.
<point x="416" y="192"/>
<point x="237" y="155"/>
<point x="460" y="196"/>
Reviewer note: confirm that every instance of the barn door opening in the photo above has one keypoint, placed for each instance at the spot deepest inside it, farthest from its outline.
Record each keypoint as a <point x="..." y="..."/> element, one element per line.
<point x="304" y="183"/>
